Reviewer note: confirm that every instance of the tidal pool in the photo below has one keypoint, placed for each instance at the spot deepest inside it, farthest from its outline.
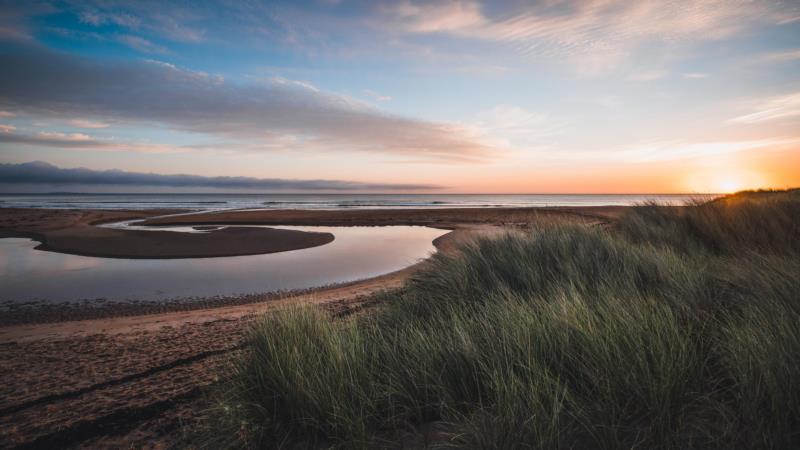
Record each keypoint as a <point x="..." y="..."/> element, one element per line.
<point x="356" y="253"/>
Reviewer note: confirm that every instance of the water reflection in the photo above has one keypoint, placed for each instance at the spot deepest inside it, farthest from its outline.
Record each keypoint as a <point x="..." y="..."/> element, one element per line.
<point x="357" y="252"/>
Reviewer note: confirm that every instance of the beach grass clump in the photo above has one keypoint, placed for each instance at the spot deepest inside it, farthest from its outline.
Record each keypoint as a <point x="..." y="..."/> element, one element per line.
<point x="764" y="221"/>
<point x="666" y="331"/>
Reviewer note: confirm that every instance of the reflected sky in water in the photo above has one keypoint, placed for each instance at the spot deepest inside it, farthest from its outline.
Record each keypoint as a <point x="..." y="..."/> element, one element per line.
<point x="356" y="253"/>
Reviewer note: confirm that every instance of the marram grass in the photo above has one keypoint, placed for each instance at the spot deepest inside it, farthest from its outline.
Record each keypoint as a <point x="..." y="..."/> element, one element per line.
<point x="679" y="328"/>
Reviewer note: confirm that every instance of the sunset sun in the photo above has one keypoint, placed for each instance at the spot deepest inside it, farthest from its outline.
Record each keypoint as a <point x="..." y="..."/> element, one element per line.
<point x="729" y="185"/>
<point x="726" y="180"/>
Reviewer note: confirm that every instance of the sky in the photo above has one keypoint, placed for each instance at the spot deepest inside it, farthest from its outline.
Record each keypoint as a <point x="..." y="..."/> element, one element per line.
<point x="450" y="96"/>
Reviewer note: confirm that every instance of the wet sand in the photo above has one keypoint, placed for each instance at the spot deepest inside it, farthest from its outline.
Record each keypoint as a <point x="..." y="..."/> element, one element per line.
<point x="74" y="232"/>
<point x="440" y="218"/>
<point x="139" y="380"/>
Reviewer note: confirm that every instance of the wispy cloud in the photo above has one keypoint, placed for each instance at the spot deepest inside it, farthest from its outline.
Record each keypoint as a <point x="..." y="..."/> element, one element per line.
<point x="775" y="108"/>
<point x="608" y="101"/>
<point x="454" y="16"/>
<point x="14" y="18"/>
<point x="788" y="55"/>
<point x="159" y="18"/>
<point x="85" y="123"/>
<point x="596" y="34"/>
<point x="662" y="151"/>
<point x="99" y="18"/>
<point x="672" y="150"/>
<point x="65" y="137"/>
<point x="695" y="75"/>
<point x="514" y="127"/>
<point x="789" y="17"/>
<point x="141" y="44"/>
<point x="377" y="97"/>
<point x="647" y="75"/>
<point x="293" y="114"/>
<point x="43" y="173"/>
<point x="81" y="141"/>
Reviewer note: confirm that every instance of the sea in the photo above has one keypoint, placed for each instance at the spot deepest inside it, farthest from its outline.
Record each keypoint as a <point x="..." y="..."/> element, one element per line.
<point x="330" y="201"/>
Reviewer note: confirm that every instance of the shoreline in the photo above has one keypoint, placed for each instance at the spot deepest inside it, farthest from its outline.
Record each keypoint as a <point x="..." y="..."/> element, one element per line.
<point x="33" y="313"/>
<point x="76" y="231"/>
<point x="150" y="371"/>
<point x="81" y="226"/>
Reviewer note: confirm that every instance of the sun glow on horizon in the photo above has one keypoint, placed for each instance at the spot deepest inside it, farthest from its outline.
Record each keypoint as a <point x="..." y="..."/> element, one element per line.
<point x="727" y="181"/>
<point x="727" y="184"/>
<point x="730" y="185"/>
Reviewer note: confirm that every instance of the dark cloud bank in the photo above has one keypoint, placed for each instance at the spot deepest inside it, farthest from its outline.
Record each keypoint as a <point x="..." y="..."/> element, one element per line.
<point x="276" y="113"/>
<point x="41" y="173"/>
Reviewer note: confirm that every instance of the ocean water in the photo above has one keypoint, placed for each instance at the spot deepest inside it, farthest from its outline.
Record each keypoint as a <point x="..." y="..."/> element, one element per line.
<point x="329" y="201"/>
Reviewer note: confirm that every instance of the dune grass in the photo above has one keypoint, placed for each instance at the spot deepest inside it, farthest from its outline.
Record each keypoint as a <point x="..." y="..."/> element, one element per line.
<point x="678" y="328"/>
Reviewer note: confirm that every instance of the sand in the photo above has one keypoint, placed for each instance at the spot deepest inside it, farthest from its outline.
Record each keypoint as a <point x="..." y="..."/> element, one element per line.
<point x="139" y="380"/>
<point x="75" y="233"/>
<point x="440" y="218"/>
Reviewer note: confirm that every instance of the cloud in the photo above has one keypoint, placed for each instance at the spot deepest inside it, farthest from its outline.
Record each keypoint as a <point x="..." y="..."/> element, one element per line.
<point x="788" y="18"/>
<point x="99" y="18"/>
<point x="167" y="25"/>
<point x="788" y="55"/>
<point x="679" y="150"/>
<point x="377" y="97"/>
<point x="14" y="18"/>
<point x="141" y="44"/>
<point x="84" y="123"/>
<point x="775" y="108"/>
<point x="608" y="101"/>
<point x="481" y="69"/>
<point x="515" y="127"/>
<point x="161" y="18"/>
<point x="695" y="75"/>
<point x="670" y="150"/>
<point x="80" y="141"/>
<point x="443" y="16"/>
<point x="594" y="34"/>
<point x="648" y="75"/>
<point x="43" y="173"/>
<point x="269" y="113"/>
<point x="63" y="137"/>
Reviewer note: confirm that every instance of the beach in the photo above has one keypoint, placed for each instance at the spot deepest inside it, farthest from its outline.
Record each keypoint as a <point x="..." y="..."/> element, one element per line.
<point x="154" y="374"/>
<point x="130" y="375"/>
<point x="423" y="224"/>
